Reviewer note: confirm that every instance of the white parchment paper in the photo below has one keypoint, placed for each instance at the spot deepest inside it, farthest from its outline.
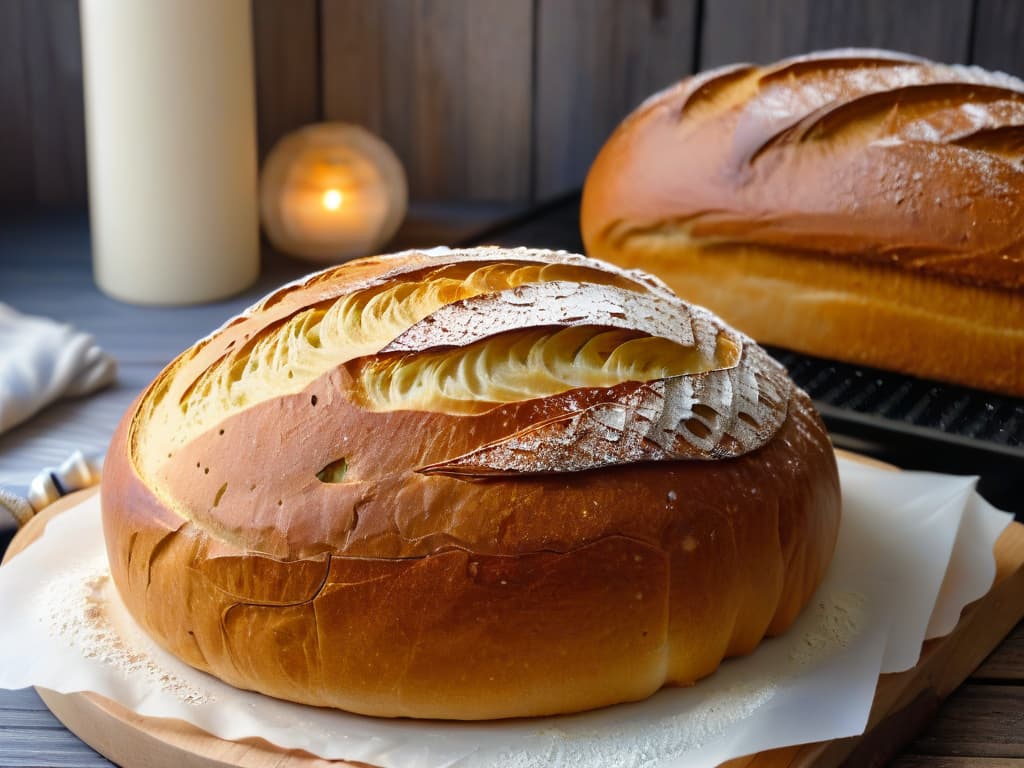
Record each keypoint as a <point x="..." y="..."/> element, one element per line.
<point x="914" y="549"/>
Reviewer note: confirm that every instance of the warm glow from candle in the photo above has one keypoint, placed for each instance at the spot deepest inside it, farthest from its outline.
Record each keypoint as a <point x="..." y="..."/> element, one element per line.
<point x="332" y="199"/>
<point x="330" y="192"/>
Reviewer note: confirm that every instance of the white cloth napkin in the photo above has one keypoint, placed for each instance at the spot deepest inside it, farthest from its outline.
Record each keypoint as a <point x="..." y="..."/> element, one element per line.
<point x="41" y="361"/>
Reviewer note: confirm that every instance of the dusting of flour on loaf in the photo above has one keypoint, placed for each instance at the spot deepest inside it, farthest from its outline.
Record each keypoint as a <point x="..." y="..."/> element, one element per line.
<point x="78" y="606"/>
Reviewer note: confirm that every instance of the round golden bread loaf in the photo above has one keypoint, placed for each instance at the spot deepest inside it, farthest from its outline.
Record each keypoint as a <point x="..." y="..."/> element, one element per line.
<point x="859" y="205"/>
<point x="469" y="484"/>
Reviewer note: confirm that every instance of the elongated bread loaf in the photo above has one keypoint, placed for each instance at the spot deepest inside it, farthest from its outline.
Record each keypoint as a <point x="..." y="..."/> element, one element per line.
<point x="859" y="205"/>
<point x="469" y="484"/>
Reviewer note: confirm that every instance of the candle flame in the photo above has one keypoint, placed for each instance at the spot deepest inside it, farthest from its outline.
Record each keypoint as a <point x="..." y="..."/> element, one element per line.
<point x="332" y="199"/>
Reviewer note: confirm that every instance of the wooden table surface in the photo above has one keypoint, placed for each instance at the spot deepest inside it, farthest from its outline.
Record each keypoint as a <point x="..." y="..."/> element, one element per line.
<point x="45" y="270"/>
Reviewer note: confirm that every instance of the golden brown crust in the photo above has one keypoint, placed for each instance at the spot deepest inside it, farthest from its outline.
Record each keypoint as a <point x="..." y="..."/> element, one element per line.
<point x="847" y="311"/>
<point x="404" y="593"/>
<point x="812" y="184"/>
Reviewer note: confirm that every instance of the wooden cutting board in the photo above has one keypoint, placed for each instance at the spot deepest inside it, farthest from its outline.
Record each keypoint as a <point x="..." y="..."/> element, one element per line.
<point x="903" y="702"/>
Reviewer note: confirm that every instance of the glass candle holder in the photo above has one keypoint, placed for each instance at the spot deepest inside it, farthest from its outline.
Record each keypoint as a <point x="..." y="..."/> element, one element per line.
<point x="330" y="192"/>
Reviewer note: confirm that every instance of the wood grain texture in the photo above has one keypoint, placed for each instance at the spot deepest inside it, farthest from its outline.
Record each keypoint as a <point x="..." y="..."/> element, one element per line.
<point x="120" y="735"/>
<point x="596" y="61"/>
<point x="42" y="130"/>
<point x="490" y="100"/>
<point x="54" y="58"/>
<point x="285" y="48"/>
<point x="16" y="182"/>
<point x="982" y="720"/>
<point x="1007" y="663"/>
<point x="998" y="32"/>
<point x="764" y="30"/>
<point x="61" y="749"/>
<point x="29" y="718"/>
<point x="932" y="761"/>
<point x="25" y="699"/>
<point x="445" y="82"/>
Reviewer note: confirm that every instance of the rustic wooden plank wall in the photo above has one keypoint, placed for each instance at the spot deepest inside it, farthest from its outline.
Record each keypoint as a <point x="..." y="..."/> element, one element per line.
<point x="446" y="82"/>
<point x="286" y="46"/>
<point x="503" y="101"/>
<point x="42" y="117"/>
<point x="762" y="30"/>
<point x="596" y="60"/>
<point x="999" y="35"/>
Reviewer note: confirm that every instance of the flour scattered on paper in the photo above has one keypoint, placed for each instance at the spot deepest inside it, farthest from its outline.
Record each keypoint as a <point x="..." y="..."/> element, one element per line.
<point x="836" y="620"/>
<point x="839" y="618"/>
<point x="650" y="743"/>
<point x="78" y="608"/>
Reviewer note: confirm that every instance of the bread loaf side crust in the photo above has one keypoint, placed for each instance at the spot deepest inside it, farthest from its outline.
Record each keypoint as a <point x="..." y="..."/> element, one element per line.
<point x="837" y="204"/>
<point x="857" y="313"/>
<point x="400" y="592"/>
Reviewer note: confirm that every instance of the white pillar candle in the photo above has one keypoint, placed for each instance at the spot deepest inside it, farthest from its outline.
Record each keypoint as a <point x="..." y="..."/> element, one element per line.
<point x="170" y="126"/>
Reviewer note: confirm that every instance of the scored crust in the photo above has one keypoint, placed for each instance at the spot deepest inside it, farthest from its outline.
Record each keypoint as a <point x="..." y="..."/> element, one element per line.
<point x="469" y="484"/>
<point x="858" y="205"/>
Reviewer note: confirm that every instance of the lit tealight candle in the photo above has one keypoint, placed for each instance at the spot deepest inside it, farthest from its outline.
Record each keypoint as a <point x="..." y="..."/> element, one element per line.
<point x="332" y="199"/>
<point x="331" y="191"/>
